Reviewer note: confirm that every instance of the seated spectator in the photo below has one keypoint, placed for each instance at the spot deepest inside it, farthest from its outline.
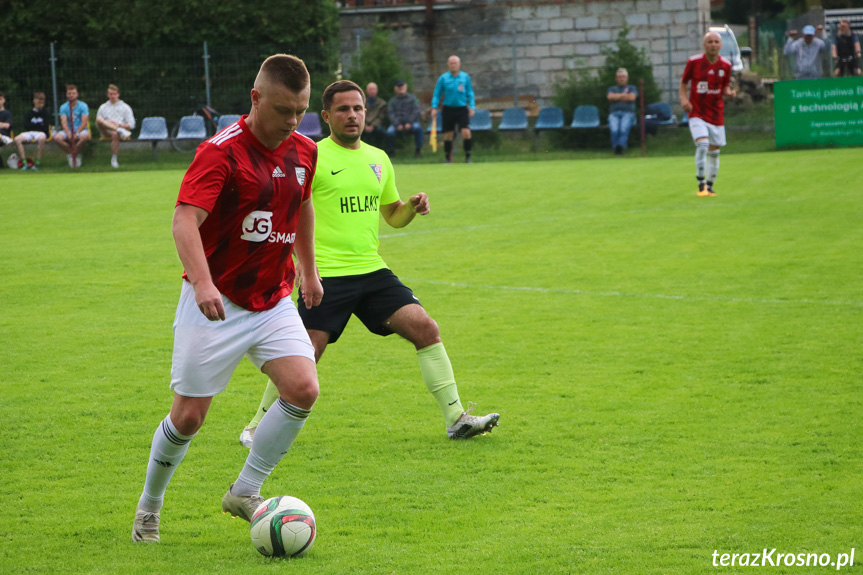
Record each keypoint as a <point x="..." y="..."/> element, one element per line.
<point x="404" y="113"/>
<point x="116" y="121"/>
<point x="36" y="129"/>
<point x="5" y="122"/>
<point x="806" y="52"/>
<point x="846" y="51"/>
<point x="76" y="133"/>
<point x="376" y="113"/>
<point x="621" y="110"/>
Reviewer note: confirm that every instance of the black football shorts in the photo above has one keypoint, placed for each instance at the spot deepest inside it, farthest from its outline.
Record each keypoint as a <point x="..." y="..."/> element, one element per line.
<point x="452" y="115"/>
<point x="372" y="297"/>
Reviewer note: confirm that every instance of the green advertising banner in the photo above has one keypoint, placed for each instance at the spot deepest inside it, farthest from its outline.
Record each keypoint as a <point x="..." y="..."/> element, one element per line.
<point x="817" y="112"/>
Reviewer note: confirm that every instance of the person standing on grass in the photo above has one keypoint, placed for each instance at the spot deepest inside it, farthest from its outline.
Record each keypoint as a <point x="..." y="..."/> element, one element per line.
<point x="75" y="132"/>
<point x="116" y="121"/>
<point x="354" y="186"/>
<point x="244" y="204"/>
<point x="455" y="91"/>
<point x="709" y="77"/>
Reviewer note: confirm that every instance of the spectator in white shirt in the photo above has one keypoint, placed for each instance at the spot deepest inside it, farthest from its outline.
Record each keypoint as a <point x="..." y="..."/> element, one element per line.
<point x="115" y="120"/>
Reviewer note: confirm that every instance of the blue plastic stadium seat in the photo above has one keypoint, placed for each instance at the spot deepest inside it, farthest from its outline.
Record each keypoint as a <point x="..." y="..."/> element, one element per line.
<point x="310" y="126"/>
<point x="513" y="119"/>
<point x="439" y="123"/>
<point x="585" y="117"/>
<point x="226" y="120"/>
<point x="192" y="128"/>
<point x="550" y="118"/>
<point x="481" y="121"/>
<point x="660" y="114"/>
<point x="153" y="128"/>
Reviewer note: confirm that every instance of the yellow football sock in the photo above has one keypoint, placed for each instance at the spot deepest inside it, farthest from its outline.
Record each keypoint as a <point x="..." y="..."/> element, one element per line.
<point x="271" y="394"/>
<point x="440" y="380"/>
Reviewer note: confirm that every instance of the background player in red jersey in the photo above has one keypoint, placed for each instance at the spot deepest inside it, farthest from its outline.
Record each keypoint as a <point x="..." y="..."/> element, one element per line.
<point x="244" y="203"/>
<point x="709" y="77"/>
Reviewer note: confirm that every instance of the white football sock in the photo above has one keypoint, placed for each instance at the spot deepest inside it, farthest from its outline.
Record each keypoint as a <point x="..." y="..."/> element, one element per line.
<point x="168" y="449"/>
<point x="712" y="165"/>
<point x="273" y="438"/>
<point x="700" y="158"/>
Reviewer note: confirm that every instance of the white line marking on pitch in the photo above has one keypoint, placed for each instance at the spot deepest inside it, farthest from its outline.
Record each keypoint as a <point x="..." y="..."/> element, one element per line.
<point x="638" y="295"/>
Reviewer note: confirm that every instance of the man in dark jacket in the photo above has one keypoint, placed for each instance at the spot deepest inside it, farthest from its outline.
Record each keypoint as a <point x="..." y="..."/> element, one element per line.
<point x="404" y="112"/>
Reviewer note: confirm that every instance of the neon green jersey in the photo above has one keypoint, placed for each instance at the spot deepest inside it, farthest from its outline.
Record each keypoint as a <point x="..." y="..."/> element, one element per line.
<point x="347" y="191"/>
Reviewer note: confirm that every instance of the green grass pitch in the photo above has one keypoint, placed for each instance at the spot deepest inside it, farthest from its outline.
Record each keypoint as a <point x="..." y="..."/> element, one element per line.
<point x="676" y="376"/>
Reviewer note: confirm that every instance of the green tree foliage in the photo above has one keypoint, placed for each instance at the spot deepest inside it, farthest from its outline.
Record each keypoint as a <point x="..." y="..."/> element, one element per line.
<point x="591" y="86"/>
<point x="157" y="23"/>
<point x="378" y="61"/>
<point x="153" y="49"/>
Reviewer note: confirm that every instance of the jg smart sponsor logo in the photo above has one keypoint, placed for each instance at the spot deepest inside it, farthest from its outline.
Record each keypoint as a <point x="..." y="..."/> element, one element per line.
<point x="258" y="227"/>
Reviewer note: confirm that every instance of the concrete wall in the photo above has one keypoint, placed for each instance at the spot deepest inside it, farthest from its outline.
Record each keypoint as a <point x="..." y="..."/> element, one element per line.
<point x="551" y="38"/>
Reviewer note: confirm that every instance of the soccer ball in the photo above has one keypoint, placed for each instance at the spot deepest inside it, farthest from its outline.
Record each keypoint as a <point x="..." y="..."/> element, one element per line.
<point x="283" y="526"/>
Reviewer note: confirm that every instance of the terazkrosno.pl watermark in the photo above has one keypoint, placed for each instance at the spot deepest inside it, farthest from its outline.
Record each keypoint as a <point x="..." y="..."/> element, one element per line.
<point x="773" y="558"/>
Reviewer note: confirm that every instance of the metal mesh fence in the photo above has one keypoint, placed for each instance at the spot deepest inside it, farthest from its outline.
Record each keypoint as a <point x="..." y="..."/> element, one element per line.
<point x="169" y="82"/>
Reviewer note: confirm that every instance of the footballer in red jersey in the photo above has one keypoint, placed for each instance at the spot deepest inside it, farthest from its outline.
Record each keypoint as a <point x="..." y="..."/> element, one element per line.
<point x="708" y="77"/>
<point x="244" y="206"/>
<point x="252" y="195"/>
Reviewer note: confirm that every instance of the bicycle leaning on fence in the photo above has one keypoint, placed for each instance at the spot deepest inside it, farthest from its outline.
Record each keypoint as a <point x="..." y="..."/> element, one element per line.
<point x="190" y="131"/>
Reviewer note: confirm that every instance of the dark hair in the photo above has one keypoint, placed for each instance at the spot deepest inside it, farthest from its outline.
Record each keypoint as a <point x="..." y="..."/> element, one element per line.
<point x="71" y="87"/>
<point x="338" y="88"/>
<point x="287" y="70"/>
<point x="38" y="93"/>
<point x="2" y="95"/>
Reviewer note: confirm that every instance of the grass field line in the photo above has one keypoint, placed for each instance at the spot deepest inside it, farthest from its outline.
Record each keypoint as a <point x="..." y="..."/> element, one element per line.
<point x="805" y="301"/>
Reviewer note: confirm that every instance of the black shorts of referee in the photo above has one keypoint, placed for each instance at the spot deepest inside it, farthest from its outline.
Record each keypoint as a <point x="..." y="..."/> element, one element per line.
<point x="452" y="115"/>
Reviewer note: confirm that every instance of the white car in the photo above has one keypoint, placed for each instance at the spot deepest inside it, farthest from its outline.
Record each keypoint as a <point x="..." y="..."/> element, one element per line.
<point x="730" y="50"/>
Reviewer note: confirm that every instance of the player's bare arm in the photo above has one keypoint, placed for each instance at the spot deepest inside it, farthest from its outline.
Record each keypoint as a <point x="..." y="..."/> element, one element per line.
<point x="684" y="100"/>
<point x="190" y="248"/>
<point x="313" y="291"/>
<point x="729" y="92"/>
<point x="399" y="214"/>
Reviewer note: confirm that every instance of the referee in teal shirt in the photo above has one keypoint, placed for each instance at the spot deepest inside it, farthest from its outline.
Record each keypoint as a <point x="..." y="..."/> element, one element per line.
<point x="459" y="106"/>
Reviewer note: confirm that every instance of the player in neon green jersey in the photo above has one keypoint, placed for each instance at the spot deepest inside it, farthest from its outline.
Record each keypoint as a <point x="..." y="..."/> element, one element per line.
<point x="353" y="184"/>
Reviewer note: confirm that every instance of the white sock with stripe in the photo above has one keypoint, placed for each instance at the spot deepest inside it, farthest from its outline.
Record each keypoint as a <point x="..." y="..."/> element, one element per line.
<point x="712" y="166"/>
<point x="273" y="438"/>
<point x="168" y="449"/>
<point x="700" y="159"/>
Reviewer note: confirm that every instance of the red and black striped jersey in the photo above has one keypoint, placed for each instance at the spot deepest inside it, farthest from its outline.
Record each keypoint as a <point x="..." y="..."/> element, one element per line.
<point x="252" y="196"/>
<point x="707" y="82"/>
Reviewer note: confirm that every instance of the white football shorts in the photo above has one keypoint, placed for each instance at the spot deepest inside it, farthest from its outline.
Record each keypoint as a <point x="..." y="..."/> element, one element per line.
<point x="701" y="129"/>
<point x="206" y="353"/>
<point x="32" y="136"/>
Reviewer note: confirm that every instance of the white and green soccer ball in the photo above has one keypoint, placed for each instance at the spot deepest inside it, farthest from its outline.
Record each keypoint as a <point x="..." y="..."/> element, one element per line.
<point x="283" y="526"/>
